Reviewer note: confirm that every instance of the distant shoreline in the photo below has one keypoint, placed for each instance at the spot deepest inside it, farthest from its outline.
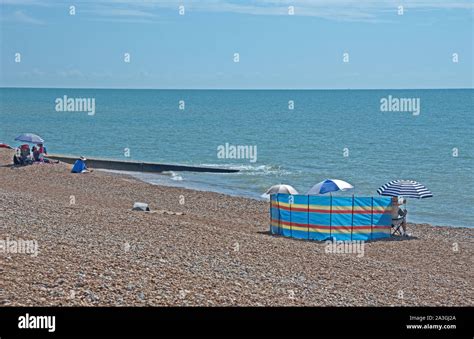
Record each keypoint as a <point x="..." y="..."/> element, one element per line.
<point x="246" y="89"/>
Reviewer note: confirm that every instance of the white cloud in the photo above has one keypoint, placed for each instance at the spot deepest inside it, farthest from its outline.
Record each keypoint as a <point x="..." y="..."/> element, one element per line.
<point x="22" y="17"/>
<point x="108" y="11"/>
<point x="23" y="2"/>
<point x="351" y="10"/>
<point x="34" y="73"/>
<point x="70" y="73"/>
<point x="354" y="10"/>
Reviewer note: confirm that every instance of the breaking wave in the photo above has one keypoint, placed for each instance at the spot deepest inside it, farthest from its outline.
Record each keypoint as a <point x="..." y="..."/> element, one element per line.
<point x="248" y="169"/>
<point x="173" y="176"/>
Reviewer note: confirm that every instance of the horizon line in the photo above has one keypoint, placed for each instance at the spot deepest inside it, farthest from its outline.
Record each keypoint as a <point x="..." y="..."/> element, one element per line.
<point x="241" y="89"/>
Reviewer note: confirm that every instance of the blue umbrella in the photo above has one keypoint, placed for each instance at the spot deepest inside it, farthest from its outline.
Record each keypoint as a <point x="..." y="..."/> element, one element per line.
<point x="30" y="137"/>
<point x="405" y="188"/>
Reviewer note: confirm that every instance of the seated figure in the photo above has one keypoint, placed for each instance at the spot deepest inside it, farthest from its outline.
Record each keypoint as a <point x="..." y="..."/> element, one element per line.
<point x="36" y="154"/>
<point x="399" y="214"/>
<point x="23" y="156"/>
<point x="80" y="166"/>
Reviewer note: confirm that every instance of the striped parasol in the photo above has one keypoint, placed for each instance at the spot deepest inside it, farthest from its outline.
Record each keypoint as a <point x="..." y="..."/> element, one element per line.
<point x="330" y="185"/>
<point x="405" y="188"/>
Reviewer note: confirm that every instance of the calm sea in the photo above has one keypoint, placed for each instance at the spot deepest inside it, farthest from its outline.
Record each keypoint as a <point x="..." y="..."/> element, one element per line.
<point x="340" y="134"/>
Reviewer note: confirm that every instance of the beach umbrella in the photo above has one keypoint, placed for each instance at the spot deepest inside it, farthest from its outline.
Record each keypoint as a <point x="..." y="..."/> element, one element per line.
<point x="405" y="188"/>
<point x="330" y="185"/>
<point x="275" y="189"/>
<point x="285" y="189"/>
<point x="30" y="137"/>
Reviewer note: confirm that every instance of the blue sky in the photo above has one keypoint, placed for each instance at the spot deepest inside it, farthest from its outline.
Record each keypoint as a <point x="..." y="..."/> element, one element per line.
<point x="277" y="50"/>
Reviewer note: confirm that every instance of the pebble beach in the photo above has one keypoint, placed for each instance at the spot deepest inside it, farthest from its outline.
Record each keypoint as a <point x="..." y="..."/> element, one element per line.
<point x="200" y="248"/>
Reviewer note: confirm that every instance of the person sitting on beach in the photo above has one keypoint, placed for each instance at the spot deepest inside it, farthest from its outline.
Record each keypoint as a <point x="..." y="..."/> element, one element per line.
<point x="80" y="166"/>
<point x="23" y="156"/>
<point x="399" y="215"/>
<point x="41" y="153"/>
<point x="17" y="160"/>
<point x="42" y="149"/>
<point x="36" y="153"/>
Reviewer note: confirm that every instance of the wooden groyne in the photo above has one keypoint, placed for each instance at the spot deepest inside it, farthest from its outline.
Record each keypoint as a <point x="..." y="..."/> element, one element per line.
<point x="135" y="166"/>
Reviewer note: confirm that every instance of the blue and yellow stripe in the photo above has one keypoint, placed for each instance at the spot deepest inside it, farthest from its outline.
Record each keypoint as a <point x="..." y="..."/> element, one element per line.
<point x="318" y="217"/>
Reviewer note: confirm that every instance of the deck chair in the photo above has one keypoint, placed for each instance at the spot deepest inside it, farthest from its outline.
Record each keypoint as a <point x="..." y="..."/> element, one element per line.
<point x="25" y="155"/>
<point x="397" y="223"/>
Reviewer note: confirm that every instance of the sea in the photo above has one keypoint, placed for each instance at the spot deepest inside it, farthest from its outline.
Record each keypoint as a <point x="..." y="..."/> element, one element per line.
<point x="295" y="137"/>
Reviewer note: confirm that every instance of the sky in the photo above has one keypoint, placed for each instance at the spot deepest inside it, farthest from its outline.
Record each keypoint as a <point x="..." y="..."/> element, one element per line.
<point x="325" y="44"/>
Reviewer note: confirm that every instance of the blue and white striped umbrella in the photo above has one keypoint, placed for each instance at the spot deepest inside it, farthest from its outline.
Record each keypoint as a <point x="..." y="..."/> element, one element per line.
<point x="330" y="185"/>
<point x="405" y="188"/>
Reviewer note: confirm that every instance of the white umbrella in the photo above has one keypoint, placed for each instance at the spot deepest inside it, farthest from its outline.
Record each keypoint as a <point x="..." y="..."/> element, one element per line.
<point x="275" y="189"/>
<point x="285" y="189"/>
<point x="330" y="185"/>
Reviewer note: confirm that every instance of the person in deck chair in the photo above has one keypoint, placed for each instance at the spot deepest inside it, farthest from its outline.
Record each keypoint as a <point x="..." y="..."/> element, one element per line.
<point x="399" y="216"/>
<point x="23" y="156"/>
